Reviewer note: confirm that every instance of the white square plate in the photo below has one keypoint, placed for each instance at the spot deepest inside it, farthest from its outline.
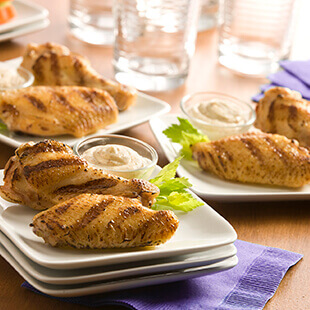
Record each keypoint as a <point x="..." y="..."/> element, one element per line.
<point x="26" y="29"/>
<point x="199" y="230"/>
<point x="210" y="186"/>
<point x="145" y="108"/>
<point x="109" y="286"/>
<point x="27" y="13"/>
<point x="87" y="275"/>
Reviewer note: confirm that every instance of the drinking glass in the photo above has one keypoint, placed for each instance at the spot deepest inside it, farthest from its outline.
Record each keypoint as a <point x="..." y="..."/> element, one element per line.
<point x="92" y="21"/>
<point x="208" y="15"/>
<point x="254" y="35"/>
<point x="154" y="42"/>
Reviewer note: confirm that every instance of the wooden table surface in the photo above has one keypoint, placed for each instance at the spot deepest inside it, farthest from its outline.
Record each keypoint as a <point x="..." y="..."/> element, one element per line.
<point x="283" y="224"/>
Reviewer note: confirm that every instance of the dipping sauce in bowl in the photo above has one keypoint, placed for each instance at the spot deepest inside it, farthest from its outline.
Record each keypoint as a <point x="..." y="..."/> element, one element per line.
<point x="14" y="78"/>
<point x="218" y="115"/>
<point x="119" y="155"/>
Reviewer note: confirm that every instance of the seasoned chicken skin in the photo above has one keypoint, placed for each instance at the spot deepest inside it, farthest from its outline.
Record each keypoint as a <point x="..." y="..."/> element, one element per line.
<point x="104" y="221"/>
<point x="52" y="111"/>
<point x="54" y="64"/>
<point x="256" y="158"/>
<point x="284" y="112"/>
<point x="43" y="174"/>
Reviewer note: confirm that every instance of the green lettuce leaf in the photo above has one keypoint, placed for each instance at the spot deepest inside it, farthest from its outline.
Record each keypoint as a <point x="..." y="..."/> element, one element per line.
<point x="186" y="135"/>
<point x="3" y="126"/>
<point x="173" y="194"/>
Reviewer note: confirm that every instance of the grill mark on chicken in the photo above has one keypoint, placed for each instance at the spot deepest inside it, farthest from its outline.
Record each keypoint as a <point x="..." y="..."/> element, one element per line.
<point x="213" y="161"/>
<point x="36" y="102"/>
<point x="55" y="67"/>
<point x="271" y="115"/>
<point x="63" y="208"/>
<point x="224" y="152"/>
<point x="92" y="213"/>
<point x="15" y="177"/>
<point x="54" y="223"/>
<point x="220" y="152"/>
<point x="159" y="217"/>
<point x="90" y="97"/>
<point x="276" y="150"/>
<point x="8" y="167"/>
<point x="9" y="108"/>
<point x="42" y="147"/>
<point x="292" y="116"/>
<point x="78" y="69"/>
<point x="84" y="187"/>
<point x="253" y="149"/>
<point x="129" y="211"/>
<point x="63" y="101"/>
<point x="48" y="164"/>
<point x="38" y="68"/>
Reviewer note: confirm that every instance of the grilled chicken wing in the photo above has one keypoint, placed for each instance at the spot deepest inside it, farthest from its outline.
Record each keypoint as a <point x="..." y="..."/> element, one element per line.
<point x="43" y="174"/>
<point x="284" y="112"/>
<point x="53" y="64"/>
<point x="256" y="158"/>
<point x="104" y="221"/>
<point x="49" y="111"/>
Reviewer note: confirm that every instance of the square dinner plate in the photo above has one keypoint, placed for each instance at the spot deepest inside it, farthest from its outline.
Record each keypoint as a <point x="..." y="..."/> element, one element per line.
<point x="199" y="230"/>
<point x="121" y="284"/>
<point x="26" y="29"/>
<point x="145" y="107"/>
<point x="86" y="275"/>
<point x="27" y="13"/>
<point x="212" y="187"/>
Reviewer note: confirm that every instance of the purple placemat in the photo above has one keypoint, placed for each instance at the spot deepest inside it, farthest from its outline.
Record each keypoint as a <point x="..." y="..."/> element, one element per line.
<point x="247" y="286"/>
<point x="295" y="75"/>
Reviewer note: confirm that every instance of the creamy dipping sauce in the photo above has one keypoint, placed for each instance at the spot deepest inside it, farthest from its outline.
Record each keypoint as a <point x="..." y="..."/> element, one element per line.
<point x="218" y="112"/>
<point x="112" y="157"/>
<point x="10" y="78"/>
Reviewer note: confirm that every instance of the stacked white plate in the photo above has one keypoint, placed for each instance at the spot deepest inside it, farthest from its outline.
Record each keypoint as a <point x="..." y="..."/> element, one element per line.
<point x="30" y="18"/>
<point x="203" y="244"/>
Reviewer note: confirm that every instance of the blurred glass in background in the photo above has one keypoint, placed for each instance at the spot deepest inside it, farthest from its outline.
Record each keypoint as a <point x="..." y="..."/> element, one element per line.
<point x="255" y="35"/>
<point x="92" y="21"/>
<point x="154" y="42"/>
<point x="208" y="14"/>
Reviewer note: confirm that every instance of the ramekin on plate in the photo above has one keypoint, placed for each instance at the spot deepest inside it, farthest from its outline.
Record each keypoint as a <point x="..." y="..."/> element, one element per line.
<point x="27" y="75"/>
<point x="142" y="148"/>
<point x="217" y="131"/>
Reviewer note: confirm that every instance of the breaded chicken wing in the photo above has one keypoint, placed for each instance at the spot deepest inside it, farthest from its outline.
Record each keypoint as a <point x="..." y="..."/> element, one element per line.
<point x="54" y="64"/>
<point x="284" y="112"/>
<point x="51" y="111"/>
<point x="40" y="175"/>
<point x="104" y="221"/>
<point x="256" y="158"/>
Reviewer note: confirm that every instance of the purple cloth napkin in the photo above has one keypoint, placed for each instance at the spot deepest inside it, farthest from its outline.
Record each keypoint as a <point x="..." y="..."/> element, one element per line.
<point x="247" y="286"/>
<point x="295" y="75"/>
<point x="300" y="69"/>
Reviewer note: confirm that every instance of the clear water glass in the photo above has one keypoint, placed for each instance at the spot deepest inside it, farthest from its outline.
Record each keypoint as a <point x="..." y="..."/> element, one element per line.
<point x="154" y="42"/>
<point x="254" y="35"/>
<point x="92" y="21"/>
<point x="208" y="15"/>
